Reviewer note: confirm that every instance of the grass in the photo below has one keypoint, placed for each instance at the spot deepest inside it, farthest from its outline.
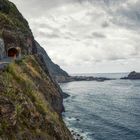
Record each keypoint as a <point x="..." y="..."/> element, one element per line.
<point x="30" y="111"/>
<point x="11" y="18"/>
<point x="27" y="93"/>
<point x="14" y="24"/>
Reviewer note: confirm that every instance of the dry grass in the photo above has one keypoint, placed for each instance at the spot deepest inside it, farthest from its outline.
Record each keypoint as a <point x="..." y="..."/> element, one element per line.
<point x="29" y="110"/>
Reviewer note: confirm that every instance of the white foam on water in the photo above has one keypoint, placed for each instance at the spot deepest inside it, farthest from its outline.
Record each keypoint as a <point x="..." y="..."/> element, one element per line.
<point x="83" y="134"/>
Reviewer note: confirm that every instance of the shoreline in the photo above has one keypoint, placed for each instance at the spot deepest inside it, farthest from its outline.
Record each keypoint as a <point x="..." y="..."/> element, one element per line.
<point x="75" y="134"/>
<point x="63" y="79"/>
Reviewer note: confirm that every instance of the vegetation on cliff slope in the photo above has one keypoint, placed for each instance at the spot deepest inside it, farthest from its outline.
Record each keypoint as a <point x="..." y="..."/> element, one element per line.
<point x="27" y="109"/>
<point x="11" y="18"/>
<point x="14" y="30"/>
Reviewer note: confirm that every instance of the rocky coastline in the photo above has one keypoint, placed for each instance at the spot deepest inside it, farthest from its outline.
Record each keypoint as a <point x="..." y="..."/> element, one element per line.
<point x="63" y="79"/>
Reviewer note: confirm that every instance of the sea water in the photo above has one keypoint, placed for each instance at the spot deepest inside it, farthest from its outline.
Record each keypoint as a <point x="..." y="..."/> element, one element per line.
<point x="108" y="110"/>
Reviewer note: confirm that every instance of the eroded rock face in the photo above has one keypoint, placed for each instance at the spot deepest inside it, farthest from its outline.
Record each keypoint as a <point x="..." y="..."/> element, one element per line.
<point x="23" y="44"/>
<point x="55" y="101"/>
<point x="55" y="70"/>
<point x="2" y="49"/>
<point x="14" y="29"/>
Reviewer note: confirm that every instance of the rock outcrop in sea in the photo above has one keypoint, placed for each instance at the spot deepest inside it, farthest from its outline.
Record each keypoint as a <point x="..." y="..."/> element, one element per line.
<point x="133" y="76"/>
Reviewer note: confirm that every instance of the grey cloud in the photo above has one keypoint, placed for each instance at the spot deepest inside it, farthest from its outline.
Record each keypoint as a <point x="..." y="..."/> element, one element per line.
<point x="105" y="24"/>
<point x="44" y="25"/>
<point x="38" y="8"/>
<point x="96" y="35"/>
<point x="127" y="16"/>
<point x="48" y="35"/>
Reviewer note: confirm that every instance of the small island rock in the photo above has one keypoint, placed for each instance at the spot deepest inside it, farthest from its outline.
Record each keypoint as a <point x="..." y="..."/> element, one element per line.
<point x="133" y="76"/>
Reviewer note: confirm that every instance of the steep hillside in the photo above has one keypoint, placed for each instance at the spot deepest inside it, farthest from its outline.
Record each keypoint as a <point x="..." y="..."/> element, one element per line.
<point x="16" y="34"/>
<point x="29" y="101"/>
<point x="12" y="18"/>
<point x="14" y="31"/>
<point x="56" y="72"/>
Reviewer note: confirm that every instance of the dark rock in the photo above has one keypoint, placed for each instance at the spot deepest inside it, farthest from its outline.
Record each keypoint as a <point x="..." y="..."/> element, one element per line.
<point x="84" y="78"/>
<point x="65" y="95"/>
<point x="78" y="120"/>
<point x="132" y="76"/>
<point x="55" y="70"/>
<point x="72" y="131"/>
<point x="78" y="135"/>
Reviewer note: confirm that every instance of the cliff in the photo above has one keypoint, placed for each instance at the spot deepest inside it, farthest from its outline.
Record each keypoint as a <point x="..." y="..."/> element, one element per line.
<point x="55" y="71"/>
<point x="31" y="101"/>
<point x="15" y="33"/>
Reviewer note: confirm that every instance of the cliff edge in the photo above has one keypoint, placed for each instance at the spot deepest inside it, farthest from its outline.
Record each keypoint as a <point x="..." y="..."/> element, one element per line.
<point x="31" y="101"/>
<point x="55" y="71"/>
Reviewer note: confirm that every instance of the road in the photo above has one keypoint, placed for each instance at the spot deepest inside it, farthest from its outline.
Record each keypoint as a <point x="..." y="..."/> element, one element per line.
<point x="5" y="61"/>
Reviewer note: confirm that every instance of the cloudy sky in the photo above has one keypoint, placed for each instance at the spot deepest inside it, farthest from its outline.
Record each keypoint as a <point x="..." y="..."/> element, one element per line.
<point x="87" y="36"/>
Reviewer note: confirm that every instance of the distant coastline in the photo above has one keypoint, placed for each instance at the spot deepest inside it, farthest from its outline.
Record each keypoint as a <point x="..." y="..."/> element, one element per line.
<point x="99" y="77"/>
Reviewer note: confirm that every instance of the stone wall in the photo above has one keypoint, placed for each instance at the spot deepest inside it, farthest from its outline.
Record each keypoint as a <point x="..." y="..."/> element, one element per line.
<point x="2" y="49"/>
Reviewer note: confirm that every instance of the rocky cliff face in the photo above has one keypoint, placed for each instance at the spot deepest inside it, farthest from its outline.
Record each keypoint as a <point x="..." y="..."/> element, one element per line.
<point x="30" y="100"/>
<point x="2" y="49"/>
<point x="14" y="30"/>
<point x="56" y="72"/>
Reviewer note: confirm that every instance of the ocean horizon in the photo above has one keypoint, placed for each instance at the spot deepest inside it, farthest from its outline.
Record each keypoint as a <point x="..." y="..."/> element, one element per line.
<point x="106" y="75"/>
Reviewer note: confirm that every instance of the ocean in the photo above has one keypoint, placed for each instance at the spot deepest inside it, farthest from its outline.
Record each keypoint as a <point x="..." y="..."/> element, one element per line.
<point x="108" y="110"/>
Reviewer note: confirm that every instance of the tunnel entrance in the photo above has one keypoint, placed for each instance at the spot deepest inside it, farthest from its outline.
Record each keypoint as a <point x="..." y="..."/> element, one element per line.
<point x="13" y="52"/>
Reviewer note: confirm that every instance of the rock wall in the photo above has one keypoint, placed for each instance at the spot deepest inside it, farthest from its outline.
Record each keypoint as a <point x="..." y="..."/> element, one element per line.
<point x="14" y="29"/>
<point x="56" y="72"/>
<point x="2" y="49"/>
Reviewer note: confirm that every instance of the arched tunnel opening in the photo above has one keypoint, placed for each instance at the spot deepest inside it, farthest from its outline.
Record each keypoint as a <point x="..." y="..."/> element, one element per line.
<point x="13" y="52"/>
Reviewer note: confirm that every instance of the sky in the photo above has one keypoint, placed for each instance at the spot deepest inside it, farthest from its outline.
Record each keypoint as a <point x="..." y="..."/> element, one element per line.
<point x="87" y="36"/>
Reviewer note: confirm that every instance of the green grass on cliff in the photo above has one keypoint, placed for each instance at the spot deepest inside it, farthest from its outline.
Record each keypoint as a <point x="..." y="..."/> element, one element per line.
<point x="25" y="112"/>
<point x="12" y="18"/>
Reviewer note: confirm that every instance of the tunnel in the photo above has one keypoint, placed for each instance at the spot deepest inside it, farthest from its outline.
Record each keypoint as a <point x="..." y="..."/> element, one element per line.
<point x="13" y="52"/>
